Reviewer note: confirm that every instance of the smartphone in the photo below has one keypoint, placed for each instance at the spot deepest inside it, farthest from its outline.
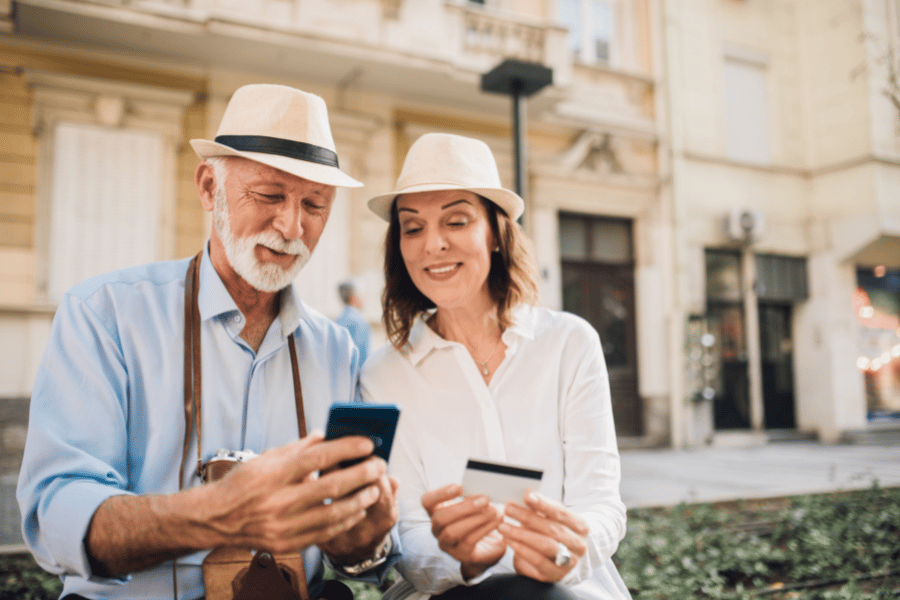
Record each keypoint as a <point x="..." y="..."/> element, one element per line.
<point x="375" y="421"/>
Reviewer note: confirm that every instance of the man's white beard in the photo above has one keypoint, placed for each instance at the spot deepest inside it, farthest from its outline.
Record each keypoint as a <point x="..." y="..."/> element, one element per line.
<point x="265" y="277"/>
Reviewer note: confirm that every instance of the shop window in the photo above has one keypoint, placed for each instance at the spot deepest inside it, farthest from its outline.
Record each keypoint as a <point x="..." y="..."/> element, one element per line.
<point x="725" y="314"/>
<point x="876" y="303"/>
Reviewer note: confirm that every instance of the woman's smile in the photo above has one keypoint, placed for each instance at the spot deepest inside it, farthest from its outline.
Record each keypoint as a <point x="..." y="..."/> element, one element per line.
<point x="441" y="270"/>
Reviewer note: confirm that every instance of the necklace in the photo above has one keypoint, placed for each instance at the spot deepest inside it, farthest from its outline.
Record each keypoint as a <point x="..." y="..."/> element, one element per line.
<point x="484" y="369"/>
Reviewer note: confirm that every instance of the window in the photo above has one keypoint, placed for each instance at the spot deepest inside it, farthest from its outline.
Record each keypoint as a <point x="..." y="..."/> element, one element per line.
<point x="781" y="278"/>
<point x="595" y="239"/>
<point x="106" y="183"/>
<point x="876" y="303"/>
<point x="105" y="207"/>
<point x="590" y="24"/>
<point x="746" y="109"/>
<point x="723" y="276"/>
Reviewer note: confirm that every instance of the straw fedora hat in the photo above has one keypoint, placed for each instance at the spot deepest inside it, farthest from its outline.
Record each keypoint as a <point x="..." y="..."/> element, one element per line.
<point x="281" y="127"/>
<point x="444" y="161"/>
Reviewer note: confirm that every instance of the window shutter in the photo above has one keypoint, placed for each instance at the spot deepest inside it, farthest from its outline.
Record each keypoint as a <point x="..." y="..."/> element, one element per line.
<point x="105" y="206"/>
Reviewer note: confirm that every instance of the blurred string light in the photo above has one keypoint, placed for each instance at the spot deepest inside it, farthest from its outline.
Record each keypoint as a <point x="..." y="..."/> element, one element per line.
<point x="864" y="363"/>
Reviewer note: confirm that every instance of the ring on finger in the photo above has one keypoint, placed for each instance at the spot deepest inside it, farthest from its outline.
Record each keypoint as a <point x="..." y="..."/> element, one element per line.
<point x="563" y="556"/>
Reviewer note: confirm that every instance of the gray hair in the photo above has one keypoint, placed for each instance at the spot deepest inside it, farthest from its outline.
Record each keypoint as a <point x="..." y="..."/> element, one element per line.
<point x="220" y="169"/>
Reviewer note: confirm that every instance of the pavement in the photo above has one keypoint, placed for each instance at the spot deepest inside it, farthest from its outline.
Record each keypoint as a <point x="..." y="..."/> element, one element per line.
<point x="669" y="477"/>
<point x="711" y="474"/>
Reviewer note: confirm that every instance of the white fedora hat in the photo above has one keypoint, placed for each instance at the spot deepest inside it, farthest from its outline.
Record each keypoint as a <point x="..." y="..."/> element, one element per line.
<point x="444" y="161"/>
<point x="281" y="127"/>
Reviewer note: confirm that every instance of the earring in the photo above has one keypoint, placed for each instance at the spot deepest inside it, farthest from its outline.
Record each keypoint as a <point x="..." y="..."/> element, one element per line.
<point x="496" y="248"/>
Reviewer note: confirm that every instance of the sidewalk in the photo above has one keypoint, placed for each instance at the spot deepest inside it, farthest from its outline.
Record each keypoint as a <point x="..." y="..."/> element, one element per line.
<point x="668" y="477"/>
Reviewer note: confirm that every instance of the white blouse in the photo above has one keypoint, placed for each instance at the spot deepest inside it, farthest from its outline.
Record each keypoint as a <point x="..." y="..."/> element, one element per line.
<point x="547" y="407"/>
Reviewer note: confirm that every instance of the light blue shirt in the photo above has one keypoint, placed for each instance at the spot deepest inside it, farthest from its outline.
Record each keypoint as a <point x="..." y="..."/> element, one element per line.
<point x="107" y="412"/>
<point x="356" y="324"/>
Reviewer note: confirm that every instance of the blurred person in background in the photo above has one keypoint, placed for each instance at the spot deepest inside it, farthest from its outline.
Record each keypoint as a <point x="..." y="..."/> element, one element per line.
<point x="352" y="318"/>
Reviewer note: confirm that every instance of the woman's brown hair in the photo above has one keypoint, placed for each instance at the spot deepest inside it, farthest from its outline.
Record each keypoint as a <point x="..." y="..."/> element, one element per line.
<point x="512" y="279"/>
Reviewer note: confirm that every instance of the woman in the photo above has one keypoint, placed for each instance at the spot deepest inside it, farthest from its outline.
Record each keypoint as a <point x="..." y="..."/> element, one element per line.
<point x="481" y="372"/>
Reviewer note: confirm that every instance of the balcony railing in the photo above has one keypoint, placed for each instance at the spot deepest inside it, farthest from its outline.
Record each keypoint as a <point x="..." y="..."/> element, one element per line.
<point x="489" y="36"/>
<point x="468" y="36"/>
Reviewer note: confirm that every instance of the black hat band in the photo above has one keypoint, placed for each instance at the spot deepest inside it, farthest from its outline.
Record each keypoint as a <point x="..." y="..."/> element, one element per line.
<point x="282" y="147"/>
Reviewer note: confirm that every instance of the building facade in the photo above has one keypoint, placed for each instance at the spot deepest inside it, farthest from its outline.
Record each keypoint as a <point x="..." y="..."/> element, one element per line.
<point x="785" y="171"/>
<point x="713" y="184"/>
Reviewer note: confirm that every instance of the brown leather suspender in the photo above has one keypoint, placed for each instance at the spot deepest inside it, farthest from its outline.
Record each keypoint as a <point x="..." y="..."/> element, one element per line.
<point x="193" y="369"/>
<point x="193" y="401"/>
<point x="192" y="363"/>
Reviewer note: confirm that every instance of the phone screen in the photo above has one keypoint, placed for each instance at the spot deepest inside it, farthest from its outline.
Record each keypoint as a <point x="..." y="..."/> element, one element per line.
<point x="378" y="422"/>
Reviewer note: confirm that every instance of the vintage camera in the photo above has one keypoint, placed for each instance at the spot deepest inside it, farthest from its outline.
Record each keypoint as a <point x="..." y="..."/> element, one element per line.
<point x="219" y="465"/>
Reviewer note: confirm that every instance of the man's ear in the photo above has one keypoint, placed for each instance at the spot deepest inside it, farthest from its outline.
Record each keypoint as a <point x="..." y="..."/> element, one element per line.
<point x="205" y="180"/>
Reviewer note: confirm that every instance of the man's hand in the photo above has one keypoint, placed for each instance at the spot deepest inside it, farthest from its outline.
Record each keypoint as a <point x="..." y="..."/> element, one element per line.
<point x="360" y="542"/>
<point x="465" y="528"/>
<point x="275" y="501"/>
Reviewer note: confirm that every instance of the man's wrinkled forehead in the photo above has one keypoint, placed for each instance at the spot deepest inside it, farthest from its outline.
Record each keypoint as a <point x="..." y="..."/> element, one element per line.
<point x="249" y="172"/>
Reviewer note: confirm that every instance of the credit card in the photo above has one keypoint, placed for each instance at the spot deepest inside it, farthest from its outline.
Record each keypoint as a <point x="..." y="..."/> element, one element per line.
<point x="499" y="481"/>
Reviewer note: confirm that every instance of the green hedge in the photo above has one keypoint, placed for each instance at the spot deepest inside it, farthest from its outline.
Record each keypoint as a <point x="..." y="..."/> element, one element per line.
<point x="819" y="547"/>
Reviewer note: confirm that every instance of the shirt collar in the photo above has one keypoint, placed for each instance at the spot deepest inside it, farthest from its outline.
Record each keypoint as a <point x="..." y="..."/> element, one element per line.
<point x="423" y="340"/>
<point x="524" y="323"/>
<point x="214" y="299"/>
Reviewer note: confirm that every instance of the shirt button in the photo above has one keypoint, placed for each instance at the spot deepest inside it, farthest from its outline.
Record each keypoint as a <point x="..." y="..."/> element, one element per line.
<point x="237" y="318"/>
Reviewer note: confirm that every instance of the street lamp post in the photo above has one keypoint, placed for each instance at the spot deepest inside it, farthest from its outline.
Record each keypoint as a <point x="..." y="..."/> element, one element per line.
<point x="519" y="80"/>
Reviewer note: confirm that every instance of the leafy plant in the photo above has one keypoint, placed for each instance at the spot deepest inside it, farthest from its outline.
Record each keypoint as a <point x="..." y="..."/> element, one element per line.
<point x="819" y="547"/>
<point x="22" y="579"/>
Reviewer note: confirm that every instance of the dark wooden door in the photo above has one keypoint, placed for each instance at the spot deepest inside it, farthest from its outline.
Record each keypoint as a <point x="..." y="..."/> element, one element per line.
<point x="604" y="296"/>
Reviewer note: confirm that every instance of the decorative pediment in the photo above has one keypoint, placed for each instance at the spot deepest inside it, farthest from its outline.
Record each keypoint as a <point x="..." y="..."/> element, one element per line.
<point x="593" y="151"/>
<point x="391" y="8"/>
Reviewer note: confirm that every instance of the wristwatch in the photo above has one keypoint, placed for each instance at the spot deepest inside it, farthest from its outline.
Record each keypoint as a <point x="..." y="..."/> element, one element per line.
<point x="380" y="555"/>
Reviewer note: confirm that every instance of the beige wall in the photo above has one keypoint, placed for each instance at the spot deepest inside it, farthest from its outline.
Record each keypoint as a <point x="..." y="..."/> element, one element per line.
<point x="24" y="320"/>
<point x="19" y="220"/>
<point x="831" y="187"/>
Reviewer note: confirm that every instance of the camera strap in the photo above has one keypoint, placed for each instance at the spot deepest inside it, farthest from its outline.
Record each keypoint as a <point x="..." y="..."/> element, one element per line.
<point x="193" y="397"/>
<point x="193" y="368"/>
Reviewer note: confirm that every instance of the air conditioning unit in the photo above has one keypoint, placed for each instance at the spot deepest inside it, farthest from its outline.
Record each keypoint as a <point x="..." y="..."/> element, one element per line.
<point x="745" y="224"/>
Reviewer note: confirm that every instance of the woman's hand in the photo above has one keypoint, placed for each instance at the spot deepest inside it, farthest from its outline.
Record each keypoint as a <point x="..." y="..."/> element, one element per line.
<point x="465" y="528"/>
<point x="543" y="525"/>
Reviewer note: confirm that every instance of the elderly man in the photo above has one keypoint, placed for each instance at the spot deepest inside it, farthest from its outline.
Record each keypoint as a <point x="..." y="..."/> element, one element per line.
<point x="121" y="427"/>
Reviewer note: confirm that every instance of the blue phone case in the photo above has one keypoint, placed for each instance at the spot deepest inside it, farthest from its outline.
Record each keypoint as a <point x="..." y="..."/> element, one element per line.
<point x="375" y="421"/>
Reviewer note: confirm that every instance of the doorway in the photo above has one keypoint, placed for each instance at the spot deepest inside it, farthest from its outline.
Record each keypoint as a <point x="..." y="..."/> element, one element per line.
<point x="777" y="366"/>
<point x="598" y="285"/>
